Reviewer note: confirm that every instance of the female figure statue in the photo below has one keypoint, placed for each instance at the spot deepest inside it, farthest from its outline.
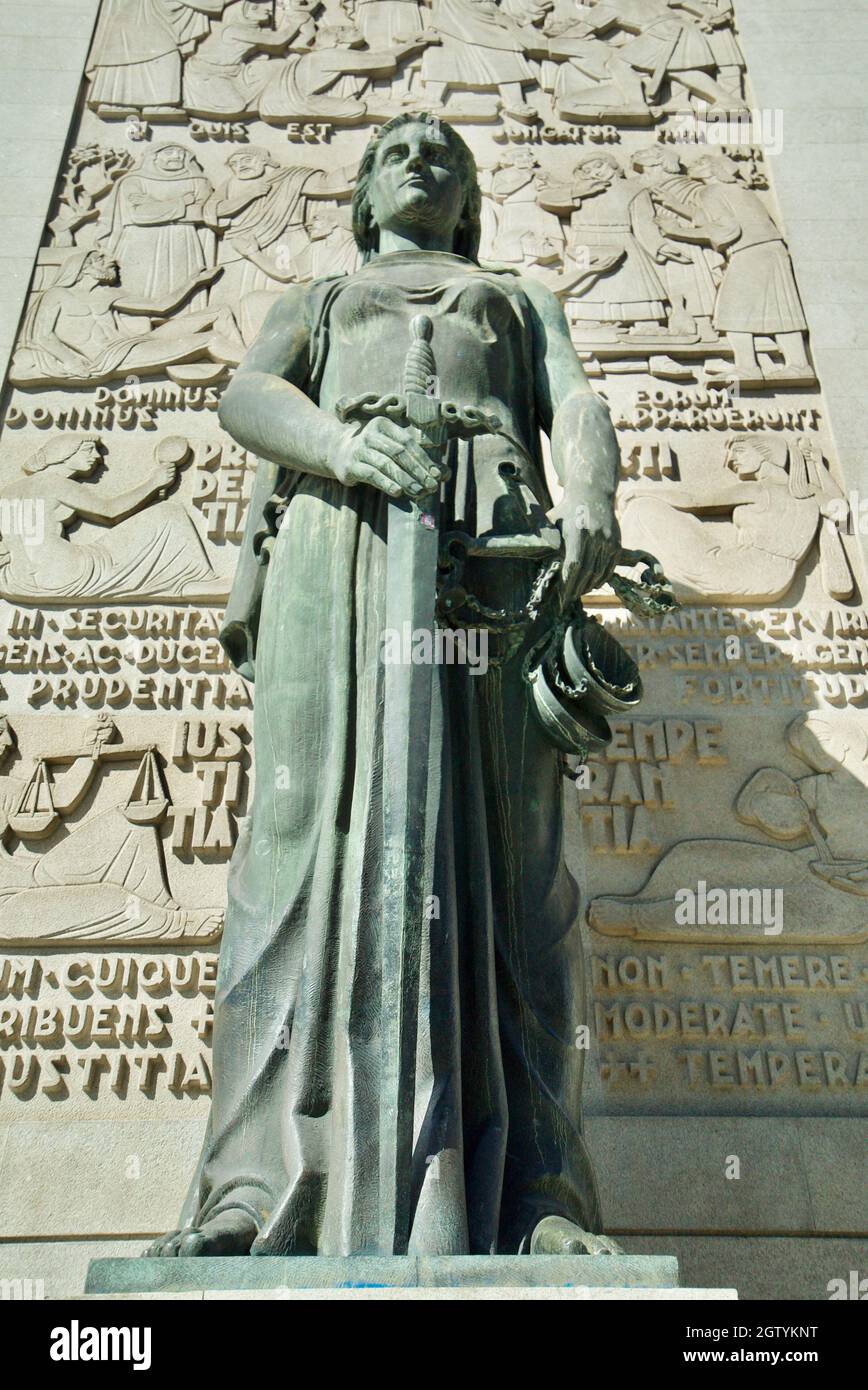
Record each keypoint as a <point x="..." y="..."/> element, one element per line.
<point x="290" y="1162"/>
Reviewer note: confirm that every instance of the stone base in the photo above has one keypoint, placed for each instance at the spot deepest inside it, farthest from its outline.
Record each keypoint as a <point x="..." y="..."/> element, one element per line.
<point x="277" y="1277"/>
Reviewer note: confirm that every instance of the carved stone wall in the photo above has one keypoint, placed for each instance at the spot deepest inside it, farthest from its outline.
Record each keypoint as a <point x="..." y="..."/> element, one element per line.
<point x="625" y="160"/>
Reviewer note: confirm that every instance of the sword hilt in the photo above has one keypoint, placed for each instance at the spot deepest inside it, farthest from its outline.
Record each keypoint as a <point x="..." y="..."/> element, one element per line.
<point x="419" y="368"/>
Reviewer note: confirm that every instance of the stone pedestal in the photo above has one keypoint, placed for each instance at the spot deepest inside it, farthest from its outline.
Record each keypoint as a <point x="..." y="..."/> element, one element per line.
<point x="501" y="1276"/>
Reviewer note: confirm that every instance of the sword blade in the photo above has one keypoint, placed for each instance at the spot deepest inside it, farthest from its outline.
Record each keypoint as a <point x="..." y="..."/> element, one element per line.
<point x="410" y="795"/>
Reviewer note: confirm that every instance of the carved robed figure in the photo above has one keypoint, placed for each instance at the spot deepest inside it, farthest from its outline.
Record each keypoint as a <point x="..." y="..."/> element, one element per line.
<point x="290" y="1160"/>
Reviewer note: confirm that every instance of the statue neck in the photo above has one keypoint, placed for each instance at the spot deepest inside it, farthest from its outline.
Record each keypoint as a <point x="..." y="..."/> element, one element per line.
<point x="421" y="240"/>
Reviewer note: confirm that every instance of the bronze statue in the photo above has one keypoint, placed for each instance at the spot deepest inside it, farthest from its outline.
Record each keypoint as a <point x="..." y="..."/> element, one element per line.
<point x="396" y="1066"/>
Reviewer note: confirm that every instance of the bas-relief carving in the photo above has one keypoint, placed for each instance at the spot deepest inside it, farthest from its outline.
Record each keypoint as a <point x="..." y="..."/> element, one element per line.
<point x="177" y="272"/>
<point x="90" y="174"/>
<point x="84" y="328"/>
<point x="654" y="56"/>
<point x="103" y="878"/>
<point x="136" y="59"/>
<point x="635" y="66"/>
<point x="625" y="62"/>
<point x="277" y="225"/>
<point x="229" y="69"/>
<point x="823" y="883"/>
<point x="151" y="549"/>
<point x="740" y="531"/>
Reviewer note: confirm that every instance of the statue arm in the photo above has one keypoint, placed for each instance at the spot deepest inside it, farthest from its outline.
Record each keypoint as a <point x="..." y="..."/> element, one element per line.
<point x="683" y="499"/>
<point x="144" y="211"/>
<point x="584" y="446"/>
<point x="87" y="502"/>
<point x="264" y="408"/>
<point x="337" y="183"/>
<point x="585" y="450"/>
<point x="134" y="306"/>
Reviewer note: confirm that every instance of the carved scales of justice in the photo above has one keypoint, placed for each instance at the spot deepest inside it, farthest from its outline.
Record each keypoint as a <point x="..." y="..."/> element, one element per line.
<point x="575" y="661"/>
<point x="38" y="811"/>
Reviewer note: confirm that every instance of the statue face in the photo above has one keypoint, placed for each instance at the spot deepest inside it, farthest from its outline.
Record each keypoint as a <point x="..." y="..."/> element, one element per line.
<point x="247" y="166"/>
<point x="744" y="459"/>
<point x="171" y="158"/>
<point x="598" y="169"/>
<point x="415" y="182"/>
<point x="85" y="458"/>
<point x="104" y="269"/>
<point x="652" y="162"/>
<point x="718" y="168"/>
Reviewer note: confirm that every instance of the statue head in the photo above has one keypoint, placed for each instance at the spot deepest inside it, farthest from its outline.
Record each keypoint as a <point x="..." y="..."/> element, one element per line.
<point x="95" y="265"/>
<point x="601" y="168"/>
<point x="251" y="162"/>
<point x="170" y="161"/>
<point x="654" y="160"/>
<point x="827" y="742"/>
<point x="715" y="167"/>
<point x="417" y="176"/>
<point x="758" y="456"/>
<point x="104" y="268"/>
<point x="259" y="12"/>
<point x="74" y="456"/>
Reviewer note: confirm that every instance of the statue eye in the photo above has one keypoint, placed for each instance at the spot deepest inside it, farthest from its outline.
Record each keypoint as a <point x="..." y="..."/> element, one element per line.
<point x="438" y="154"/>
<point x="395" y="155"/>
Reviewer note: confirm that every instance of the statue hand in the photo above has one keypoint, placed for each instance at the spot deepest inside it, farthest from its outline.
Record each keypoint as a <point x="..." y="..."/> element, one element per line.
<point x="851" y="875"/>
<point x="164" y="475"/>
<point x="670" y="252"/>
<point x="386" y="456"/>
<point x="592" y="544"/>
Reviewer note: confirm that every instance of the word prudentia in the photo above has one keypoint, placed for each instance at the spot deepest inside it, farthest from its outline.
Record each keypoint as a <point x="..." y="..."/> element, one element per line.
<point x="144" y="693"/>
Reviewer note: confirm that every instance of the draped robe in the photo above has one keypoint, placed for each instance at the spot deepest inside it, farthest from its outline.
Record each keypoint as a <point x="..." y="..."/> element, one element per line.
<point x="293" y="1133"/>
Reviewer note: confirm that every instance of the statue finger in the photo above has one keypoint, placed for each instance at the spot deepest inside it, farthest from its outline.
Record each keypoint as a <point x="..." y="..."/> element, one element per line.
<point x="411" y="459"/>
<point x="390" y="429"/>
<point x="391" y="476"/>
<point x="409" y="453"/>
<point x="375" y="476"/>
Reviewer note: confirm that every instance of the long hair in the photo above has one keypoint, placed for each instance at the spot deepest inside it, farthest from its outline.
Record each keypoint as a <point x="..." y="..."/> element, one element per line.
<point x="57" y="451"/>
<point x="468" y="231"/>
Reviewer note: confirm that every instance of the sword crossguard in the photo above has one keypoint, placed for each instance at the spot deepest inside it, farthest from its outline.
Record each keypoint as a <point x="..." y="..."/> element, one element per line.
<point x="460" y="421"/>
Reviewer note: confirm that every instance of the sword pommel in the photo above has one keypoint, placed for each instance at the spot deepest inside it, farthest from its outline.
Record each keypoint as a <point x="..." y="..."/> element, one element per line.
<point x="420" y="376"/>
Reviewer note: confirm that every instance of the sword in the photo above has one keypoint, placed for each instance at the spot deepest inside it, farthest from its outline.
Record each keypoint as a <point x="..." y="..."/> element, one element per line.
<point x="411" y="782"/>
<point x="410" y="787"/>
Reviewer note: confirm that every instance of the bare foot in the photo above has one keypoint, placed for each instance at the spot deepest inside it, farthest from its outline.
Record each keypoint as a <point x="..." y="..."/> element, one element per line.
<point x="230" y="1232"/>
<point x="554" y="1235"/>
